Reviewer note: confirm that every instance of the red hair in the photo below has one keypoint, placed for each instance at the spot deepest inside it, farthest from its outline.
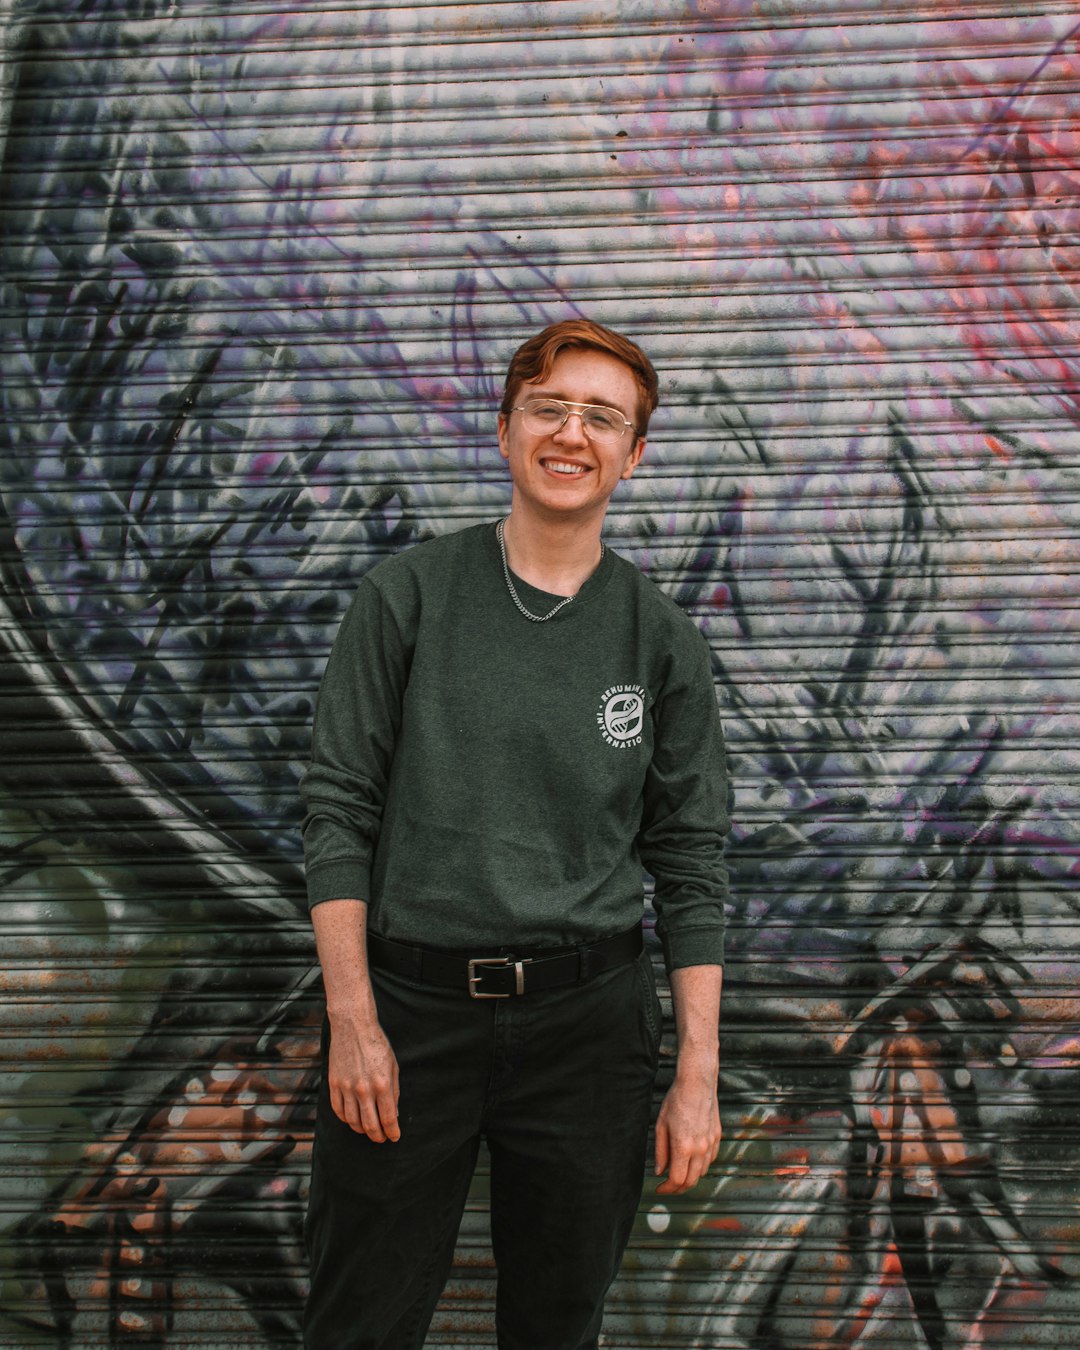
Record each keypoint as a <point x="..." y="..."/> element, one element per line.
<point x="533" y="361"/>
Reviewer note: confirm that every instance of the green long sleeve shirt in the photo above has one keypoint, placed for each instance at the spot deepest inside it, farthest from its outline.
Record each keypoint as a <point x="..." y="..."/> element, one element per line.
<point x="480" y="779"/>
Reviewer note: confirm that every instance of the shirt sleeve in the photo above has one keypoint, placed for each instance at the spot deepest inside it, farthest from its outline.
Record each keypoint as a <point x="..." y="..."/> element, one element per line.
<point x="357" y="718"/>
<point x="685" y="815"/>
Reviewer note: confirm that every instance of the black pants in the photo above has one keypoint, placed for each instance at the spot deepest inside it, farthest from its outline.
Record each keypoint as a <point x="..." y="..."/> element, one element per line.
<point x="560" y="1084"/>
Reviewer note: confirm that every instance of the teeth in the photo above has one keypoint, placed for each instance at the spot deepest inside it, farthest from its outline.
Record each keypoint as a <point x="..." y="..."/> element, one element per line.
<point x="564" y="468"/>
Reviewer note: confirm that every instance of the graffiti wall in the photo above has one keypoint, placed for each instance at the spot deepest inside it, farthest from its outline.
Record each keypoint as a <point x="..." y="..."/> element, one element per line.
<point x="262" y="269"/>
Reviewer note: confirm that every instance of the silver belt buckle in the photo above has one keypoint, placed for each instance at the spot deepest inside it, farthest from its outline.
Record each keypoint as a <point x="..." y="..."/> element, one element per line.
<point x="474" y="978"/>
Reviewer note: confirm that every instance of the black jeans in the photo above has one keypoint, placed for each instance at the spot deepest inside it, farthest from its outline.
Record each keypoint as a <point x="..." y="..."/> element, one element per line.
<point x="560" y="1084"/>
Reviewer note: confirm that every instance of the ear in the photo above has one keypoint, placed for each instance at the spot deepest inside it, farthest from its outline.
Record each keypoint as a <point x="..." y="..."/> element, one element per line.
<point x="633" y="459"/>
<point x="504" y="431"/>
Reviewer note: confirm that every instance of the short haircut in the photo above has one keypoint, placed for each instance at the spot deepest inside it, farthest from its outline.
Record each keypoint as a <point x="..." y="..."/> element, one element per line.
<point x="533" y="361"/>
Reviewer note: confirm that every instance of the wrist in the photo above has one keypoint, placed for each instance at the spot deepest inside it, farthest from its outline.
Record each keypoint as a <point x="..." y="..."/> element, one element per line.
<point x="698" y="1062"/>
<point x="360" y="1014"/>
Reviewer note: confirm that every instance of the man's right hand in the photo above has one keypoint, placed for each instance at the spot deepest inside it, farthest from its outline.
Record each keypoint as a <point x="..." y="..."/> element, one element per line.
<point x="363" y="1079"/>
<point x="363" y="1070"/>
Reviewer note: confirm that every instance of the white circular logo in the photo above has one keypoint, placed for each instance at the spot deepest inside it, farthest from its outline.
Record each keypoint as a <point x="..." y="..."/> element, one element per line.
<point x="622" y="715"/>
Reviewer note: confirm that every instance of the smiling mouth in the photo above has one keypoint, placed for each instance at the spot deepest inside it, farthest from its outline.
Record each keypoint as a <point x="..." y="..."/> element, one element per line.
<point x="561" y="466"/>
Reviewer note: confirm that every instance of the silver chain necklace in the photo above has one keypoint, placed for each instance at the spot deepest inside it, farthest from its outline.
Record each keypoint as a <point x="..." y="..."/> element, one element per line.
<point x="536" y="618"/>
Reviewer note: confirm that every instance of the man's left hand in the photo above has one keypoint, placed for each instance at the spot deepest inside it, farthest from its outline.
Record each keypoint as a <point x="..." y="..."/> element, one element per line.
<point x="687" y="1132"/>
<point x="688" y="1127"/>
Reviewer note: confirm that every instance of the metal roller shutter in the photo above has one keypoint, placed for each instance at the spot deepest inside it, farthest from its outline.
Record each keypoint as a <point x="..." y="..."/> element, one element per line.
<point x="262" y="268"/>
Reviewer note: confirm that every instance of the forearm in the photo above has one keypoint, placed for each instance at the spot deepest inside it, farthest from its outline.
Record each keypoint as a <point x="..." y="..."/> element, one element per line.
<point x="695" y="995"/>
<point x="341" y="940"/>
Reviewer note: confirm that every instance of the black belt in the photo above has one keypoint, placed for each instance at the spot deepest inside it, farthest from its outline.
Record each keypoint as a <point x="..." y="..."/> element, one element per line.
<point x="507" y="972"/>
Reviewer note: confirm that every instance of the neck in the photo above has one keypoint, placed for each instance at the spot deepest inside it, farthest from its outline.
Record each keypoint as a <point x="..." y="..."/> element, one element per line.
<point x="555" y="556"/>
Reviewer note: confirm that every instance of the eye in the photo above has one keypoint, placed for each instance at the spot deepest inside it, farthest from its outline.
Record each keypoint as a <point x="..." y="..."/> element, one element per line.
<point x="605" y="420"/>
<point x="545" y="410"/>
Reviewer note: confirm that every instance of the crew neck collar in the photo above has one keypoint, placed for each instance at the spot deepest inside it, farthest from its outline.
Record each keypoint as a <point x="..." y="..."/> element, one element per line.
<point x="542" y="602"/>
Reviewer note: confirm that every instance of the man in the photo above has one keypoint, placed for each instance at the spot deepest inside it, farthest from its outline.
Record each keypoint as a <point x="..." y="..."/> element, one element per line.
<point x="512" y="721"/>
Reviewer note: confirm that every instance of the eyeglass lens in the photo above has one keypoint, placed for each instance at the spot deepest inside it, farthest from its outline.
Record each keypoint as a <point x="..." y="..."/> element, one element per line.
<point x="546" y="416"/>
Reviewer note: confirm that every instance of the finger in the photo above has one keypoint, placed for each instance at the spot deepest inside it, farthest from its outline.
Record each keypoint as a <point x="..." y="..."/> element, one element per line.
<point x="370" y="1123"/>
<point x="342" y="1091"/>
<point x="661" y="1148"/>
<point x="378" y="1110"/>
<point x="697" y="1168"/>
<point x="676" y="1181"/>
<point x="386" y="1102"/>
<point x="702" y="1161"/>
<point x="688" y="1165"/>
<point x="344" y="1106"/>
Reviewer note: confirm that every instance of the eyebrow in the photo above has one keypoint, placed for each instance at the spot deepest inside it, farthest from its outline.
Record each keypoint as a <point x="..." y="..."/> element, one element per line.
<point x="592" y="402"/>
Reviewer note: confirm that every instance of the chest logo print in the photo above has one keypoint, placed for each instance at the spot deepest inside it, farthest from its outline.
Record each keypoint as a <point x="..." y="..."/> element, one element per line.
<point x="622" y="715"/>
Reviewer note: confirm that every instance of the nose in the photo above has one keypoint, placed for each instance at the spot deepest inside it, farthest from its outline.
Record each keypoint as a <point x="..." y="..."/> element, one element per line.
<point x="572" y="430"/>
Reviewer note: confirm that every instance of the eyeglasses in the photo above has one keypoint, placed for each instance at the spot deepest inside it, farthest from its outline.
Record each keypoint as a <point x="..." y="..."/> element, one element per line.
<point x="546" y="416"/>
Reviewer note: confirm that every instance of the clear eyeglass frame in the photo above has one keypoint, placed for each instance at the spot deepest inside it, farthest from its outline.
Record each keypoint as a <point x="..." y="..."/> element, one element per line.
<point x="547" y="416"/>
